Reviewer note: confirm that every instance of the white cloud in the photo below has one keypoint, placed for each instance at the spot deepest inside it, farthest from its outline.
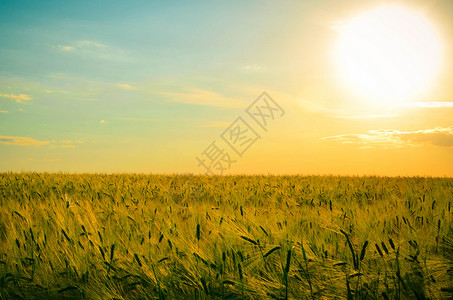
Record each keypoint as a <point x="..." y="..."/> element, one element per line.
<point x="391" y="138"/>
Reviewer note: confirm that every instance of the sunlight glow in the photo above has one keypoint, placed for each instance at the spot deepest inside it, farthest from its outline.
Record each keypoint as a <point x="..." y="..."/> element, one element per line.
<point x="389" y="53"/>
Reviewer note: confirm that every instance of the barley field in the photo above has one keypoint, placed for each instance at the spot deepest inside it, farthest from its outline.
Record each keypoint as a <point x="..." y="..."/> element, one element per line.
<point x="95" y="236"/>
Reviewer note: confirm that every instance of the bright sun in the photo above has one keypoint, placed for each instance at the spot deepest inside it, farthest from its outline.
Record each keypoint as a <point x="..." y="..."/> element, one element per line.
<point x="389" y="53"/>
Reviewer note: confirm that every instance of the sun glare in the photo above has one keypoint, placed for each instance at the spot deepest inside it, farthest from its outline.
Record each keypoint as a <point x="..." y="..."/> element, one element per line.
<point x="389" y="53"/>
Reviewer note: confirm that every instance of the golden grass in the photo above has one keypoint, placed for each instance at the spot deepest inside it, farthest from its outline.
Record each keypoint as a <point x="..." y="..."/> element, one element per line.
<point x="254" y="237"/>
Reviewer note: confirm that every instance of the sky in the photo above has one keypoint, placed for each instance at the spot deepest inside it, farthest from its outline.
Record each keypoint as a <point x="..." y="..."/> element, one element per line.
<point x="168" y="87"/>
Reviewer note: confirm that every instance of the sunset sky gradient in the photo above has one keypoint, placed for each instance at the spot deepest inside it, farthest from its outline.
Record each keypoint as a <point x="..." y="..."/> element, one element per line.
<point x="146" y="86"/>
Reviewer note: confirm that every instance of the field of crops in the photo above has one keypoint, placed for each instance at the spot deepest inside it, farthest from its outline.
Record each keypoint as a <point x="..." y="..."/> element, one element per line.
<point x="68" y="236"/>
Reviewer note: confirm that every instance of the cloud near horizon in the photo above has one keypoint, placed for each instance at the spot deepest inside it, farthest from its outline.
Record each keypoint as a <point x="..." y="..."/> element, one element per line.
<point x="391" y="138"/>
<point x="21" y="141"/>
<point x="437" y="104"/>
<point x="26" y="141"/>
<point x="210" y="124"/>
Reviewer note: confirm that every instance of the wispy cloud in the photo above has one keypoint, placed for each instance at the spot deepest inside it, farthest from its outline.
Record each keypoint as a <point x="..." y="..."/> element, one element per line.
<point x="66" y="48"/>
<point x="253" y="68"/>
<point x="53" y="159"/>
<point x="391" y="138"/>
<point x="125" y="86"/>
<point x="21" y="141"/>
<point x="46" y="159"/>
<point x="70" y="146"/>
<point x="365" y="116"/>
<point x="65" y="144"/>
<point x="19" y="98"/>
<point x="198" y="96"/>
<point x="215" y="124"/>
<point x="138" y="119"/>
<point x="93" y="49"/>
<point x="26" y="141"/>
<point x="429" y="104"/>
